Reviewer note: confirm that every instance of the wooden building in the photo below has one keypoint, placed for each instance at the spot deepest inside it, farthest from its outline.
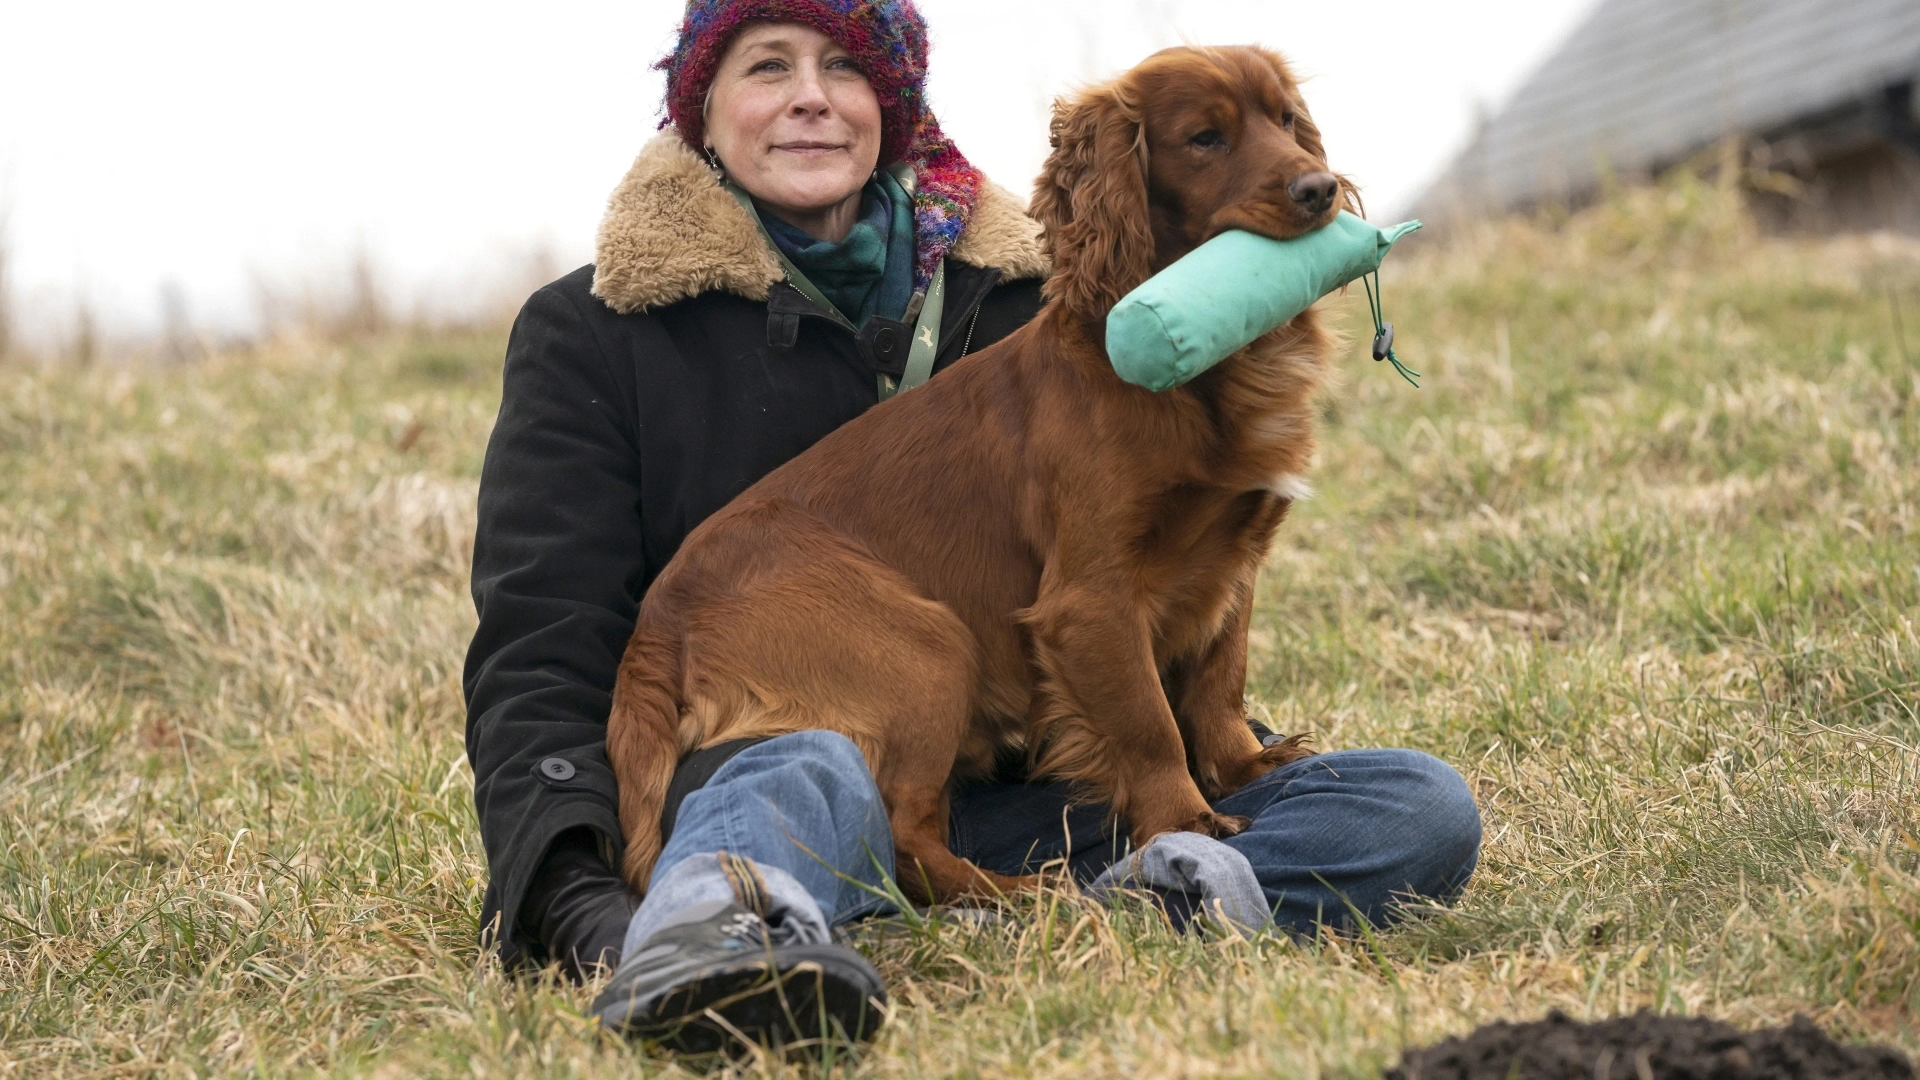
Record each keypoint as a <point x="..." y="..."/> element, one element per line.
<point x="1821" y="94"/>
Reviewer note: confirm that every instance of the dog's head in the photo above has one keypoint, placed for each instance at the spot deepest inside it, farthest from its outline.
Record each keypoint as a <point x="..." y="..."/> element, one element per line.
<point x="1185" y="146"/>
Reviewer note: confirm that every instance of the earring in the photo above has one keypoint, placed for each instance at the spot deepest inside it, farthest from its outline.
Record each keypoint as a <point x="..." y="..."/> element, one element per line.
<point x="713" y="160"/>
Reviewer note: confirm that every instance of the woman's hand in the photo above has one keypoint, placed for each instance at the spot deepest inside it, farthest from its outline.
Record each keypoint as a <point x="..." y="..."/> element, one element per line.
<point x="577" y="907"/>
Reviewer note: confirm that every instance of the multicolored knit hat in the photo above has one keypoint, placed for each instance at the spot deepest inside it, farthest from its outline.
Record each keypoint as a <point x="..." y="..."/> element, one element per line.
<point x="888" y="38"/>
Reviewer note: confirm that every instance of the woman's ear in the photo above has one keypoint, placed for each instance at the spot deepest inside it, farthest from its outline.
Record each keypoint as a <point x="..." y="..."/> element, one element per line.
<point x="1092" y="200"/>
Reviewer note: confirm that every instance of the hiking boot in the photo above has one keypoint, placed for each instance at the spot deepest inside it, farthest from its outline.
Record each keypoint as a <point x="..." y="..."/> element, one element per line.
<point x="721" y="974"/>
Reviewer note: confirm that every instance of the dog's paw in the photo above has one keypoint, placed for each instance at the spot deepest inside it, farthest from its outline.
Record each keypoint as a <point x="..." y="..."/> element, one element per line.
<point x="1245" y="771"/>
<point x="1286" y="751"/>
<point x="1218" y="826"/>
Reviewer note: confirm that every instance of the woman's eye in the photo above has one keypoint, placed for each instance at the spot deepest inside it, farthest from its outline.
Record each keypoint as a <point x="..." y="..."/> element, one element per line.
<point x="767" y="67"/>
<point x="845" y="63"/>
<point x="1208" y="140"/>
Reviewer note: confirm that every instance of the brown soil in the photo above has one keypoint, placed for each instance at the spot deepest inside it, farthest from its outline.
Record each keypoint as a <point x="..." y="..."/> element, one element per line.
<point x="1645" y="1046"/>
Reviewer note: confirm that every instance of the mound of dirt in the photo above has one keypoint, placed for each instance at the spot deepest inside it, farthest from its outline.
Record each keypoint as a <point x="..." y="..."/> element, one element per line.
<point x="1645" y="1046"/>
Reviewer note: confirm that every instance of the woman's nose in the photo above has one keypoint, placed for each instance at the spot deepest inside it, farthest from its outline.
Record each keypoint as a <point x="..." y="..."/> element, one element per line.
<point x="809" y="92"/>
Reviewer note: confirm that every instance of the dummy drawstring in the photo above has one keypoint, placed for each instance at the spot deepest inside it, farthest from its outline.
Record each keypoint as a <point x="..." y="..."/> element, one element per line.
<point x="1383" y="330"/>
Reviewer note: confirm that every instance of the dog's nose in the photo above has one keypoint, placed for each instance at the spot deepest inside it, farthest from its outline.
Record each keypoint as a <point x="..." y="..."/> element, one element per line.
<point x="1315" y="191"/>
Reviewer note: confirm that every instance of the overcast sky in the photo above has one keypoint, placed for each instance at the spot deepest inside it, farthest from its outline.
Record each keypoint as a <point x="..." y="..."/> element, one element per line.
<point x="209" y="147"/>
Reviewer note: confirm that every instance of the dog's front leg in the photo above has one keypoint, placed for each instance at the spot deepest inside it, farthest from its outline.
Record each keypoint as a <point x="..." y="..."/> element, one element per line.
<point x="1102" y="718"/>
<point x="1209" y="699"/>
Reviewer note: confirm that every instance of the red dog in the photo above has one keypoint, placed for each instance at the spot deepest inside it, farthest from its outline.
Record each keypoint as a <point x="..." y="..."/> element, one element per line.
<point x="1026" y="551"/>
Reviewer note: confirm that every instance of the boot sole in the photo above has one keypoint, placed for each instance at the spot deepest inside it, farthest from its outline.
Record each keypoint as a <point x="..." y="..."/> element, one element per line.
<point x="816" y="995"/>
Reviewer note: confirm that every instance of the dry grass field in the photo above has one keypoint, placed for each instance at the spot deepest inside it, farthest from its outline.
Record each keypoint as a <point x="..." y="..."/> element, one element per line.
<point x="1642" y="559"/>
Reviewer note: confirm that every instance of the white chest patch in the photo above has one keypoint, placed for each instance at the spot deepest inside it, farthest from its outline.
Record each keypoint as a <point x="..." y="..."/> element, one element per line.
<point x="1290" y="487"/>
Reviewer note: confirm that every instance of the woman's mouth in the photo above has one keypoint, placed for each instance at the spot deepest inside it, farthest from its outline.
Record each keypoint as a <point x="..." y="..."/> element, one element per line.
<point x="809" y="148"/>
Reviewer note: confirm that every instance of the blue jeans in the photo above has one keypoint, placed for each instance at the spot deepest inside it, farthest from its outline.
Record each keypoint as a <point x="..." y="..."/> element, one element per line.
<point x="1352" y="830"/>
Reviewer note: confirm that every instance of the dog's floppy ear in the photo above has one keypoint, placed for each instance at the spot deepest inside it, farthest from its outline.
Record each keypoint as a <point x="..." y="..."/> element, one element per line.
<point x="1092" y="199"/>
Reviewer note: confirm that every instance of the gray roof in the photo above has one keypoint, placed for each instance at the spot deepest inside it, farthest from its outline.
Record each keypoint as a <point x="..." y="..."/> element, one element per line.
<point x="1644" y="83"/>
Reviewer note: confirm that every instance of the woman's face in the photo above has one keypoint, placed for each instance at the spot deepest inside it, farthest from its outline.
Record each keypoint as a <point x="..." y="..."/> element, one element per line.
<point x="794" y="122"/>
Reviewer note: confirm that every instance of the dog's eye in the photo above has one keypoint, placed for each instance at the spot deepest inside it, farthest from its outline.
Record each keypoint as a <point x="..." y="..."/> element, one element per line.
<point x="1208" y="140"/>
<point x="1286" y="121"/>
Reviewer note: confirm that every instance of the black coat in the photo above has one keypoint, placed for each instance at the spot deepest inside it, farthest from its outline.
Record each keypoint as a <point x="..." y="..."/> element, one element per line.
<point x="617" y="434"/>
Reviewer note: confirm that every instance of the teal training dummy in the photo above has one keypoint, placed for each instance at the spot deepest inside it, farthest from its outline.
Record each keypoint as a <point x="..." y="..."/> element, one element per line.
<point x="1234" y="288"/>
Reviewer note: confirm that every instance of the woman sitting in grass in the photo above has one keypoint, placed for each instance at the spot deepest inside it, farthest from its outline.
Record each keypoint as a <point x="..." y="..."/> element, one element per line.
<point x="759" y="276"/>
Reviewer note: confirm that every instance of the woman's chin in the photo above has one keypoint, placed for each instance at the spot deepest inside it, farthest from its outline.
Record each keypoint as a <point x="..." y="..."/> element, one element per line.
<point x="818" y="194"/>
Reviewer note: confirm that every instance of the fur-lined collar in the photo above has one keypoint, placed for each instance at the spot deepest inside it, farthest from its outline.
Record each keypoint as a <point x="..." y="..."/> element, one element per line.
<point x="672" y="231"/>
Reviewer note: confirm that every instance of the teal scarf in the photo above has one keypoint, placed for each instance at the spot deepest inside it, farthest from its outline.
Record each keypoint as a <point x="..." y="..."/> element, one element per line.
<point x="871" y="271"/>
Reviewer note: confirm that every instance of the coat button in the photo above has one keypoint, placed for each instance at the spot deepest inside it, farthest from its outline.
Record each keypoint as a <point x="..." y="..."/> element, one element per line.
<point x="885" y="341"/>
<point x="555" y="768"/>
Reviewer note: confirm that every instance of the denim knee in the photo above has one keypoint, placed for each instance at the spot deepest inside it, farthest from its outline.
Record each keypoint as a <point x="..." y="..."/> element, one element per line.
<point x="804" y="773"/>
<point x="805" y="803"/>
<point x="822" y="757"/>
<point x="1441" y="826"/>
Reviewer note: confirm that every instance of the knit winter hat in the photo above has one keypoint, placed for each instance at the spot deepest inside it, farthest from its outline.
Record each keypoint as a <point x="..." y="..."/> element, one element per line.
<point x="888" y="38"/>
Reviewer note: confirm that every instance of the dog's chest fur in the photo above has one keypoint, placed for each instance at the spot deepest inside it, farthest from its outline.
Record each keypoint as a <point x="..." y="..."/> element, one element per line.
<point x="1201" y="496"/>
<point x="1252" y="428"/>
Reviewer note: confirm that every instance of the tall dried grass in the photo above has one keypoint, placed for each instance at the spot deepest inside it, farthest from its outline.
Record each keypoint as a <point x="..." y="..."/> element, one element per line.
<point x="6" y="287"/>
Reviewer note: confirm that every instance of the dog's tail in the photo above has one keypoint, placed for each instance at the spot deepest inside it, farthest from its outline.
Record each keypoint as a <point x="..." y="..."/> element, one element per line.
<point x="643" y="745"/>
